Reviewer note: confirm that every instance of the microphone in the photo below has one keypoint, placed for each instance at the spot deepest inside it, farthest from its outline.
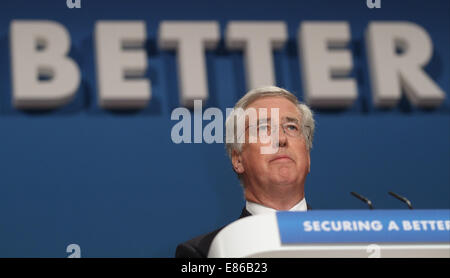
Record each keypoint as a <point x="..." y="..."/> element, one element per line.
<point x="401" y="198"/>
<point x="362" y="198"/>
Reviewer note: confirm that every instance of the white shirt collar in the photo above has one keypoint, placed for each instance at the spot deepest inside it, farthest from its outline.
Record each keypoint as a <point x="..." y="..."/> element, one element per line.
<point x="256" y="209"/>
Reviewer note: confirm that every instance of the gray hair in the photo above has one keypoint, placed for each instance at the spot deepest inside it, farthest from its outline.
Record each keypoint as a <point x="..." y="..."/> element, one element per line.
<point x="307" y="120"/>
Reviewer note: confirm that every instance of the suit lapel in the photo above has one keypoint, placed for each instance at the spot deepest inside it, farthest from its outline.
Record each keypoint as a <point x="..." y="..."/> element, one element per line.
<point x="244" y="213"/>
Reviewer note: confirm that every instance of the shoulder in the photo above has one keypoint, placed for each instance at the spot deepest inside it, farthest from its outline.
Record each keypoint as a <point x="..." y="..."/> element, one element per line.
<point x="197" y="247"/>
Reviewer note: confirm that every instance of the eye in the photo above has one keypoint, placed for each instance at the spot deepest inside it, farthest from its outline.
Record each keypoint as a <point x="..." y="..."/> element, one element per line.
<point x="263" y="127"/>
<point x="292" y="127"/>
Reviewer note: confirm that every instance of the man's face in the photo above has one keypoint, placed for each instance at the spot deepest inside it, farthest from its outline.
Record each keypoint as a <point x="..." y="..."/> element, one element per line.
<point x="284" y="168"/>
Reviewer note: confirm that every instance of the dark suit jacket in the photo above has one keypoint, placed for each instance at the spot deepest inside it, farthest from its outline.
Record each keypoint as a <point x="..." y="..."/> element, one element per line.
<point x="198" y="247"/>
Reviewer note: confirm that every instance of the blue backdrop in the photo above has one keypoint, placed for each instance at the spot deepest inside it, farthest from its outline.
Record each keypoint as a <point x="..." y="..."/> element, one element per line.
<point x="115" y="184"/>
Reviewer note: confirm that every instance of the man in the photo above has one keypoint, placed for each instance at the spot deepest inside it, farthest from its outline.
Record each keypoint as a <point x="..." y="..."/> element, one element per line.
<point x="272" y="172"/>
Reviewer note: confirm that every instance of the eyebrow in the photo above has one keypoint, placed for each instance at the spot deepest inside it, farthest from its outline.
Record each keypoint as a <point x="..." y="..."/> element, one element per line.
<point x="288" y="119"/>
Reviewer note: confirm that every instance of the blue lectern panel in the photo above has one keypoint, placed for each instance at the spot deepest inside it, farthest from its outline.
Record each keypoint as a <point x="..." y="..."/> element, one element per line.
<point x="364" y="226"/>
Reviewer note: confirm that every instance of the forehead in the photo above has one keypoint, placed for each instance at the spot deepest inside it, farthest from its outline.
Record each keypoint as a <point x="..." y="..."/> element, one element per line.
<point x="285" y="106"/>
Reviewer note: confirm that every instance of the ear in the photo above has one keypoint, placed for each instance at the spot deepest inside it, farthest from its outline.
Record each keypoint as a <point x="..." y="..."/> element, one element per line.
<point x="309" y="163"/>
<point x="236" y="160"/>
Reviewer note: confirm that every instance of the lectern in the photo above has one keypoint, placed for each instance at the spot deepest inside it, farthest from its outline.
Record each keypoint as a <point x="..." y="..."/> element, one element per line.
<point x="337" y="233"/>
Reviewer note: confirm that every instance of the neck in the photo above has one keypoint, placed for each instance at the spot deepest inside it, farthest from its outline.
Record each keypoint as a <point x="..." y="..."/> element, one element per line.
<point x="279" y="197"/>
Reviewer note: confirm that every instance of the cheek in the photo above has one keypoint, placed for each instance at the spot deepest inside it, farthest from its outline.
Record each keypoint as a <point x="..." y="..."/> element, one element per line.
<point x="253" y="159"/>
<point x="302" y="156"/>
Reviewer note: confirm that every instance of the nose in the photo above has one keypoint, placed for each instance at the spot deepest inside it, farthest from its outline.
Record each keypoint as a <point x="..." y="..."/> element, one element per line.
<point x="282" y="138"/>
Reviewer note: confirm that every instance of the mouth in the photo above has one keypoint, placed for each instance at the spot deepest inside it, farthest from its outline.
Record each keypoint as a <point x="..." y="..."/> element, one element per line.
<point x="281" y="158"/>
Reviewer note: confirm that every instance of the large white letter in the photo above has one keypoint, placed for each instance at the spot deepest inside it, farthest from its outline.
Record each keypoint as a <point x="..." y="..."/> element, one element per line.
<point x="320" y="64"/>
<point x="257" y="39"/>
<point x="189" y="39"/>
<point x="39" y="49"/>
<point x="390" y="71"/>
<point x="114" y="64"/>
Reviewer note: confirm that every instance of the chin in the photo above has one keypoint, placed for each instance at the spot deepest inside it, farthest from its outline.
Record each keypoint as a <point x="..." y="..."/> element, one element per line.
<point x="284" y="179"/>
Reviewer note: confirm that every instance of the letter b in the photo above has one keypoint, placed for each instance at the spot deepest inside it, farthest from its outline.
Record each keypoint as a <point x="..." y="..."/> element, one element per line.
<point x="51" y="61"/>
